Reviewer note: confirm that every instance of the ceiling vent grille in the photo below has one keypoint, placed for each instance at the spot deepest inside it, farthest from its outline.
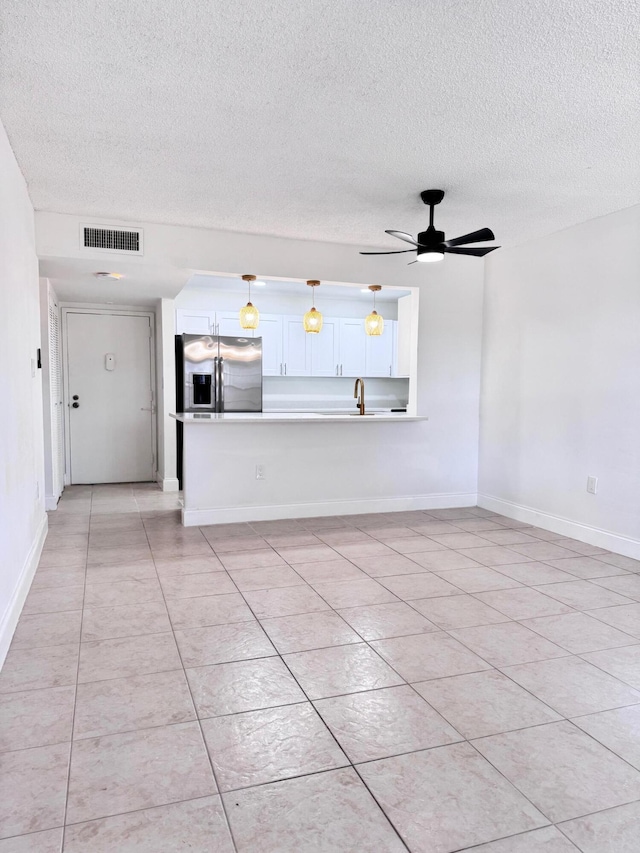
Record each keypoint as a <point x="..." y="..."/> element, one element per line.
<point x="112" y="239"/>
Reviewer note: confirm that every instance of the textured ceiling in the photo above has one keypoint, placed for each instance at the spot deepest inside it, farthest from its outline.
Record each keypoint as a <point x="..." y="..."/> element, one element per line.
<point x="324" y="119"/>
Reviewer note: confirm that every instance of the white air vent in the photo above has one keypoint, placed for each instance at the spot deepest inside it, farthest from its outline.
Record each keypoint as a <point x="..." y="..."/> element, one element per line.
<point x="111" y="239"/>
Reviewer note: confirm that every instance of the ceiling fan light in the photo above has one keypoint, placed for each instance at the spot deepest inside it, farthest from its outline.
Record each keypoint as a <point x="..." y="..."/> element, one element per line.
<point x="430" y="257"/>
<point x="374" y="324"/>
<point x="249" y="316"/>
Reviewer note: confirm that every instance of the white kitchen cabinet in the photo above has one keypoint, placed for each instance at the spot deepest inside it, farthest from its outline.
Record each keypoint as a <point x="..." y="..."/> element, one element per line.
<point x="325" y="350"/>
<point x="352" y="348"/>
<point x="195" y="322"/>
<point x="229" y="324"/>
<point x="342" y="348"/>
<point x="296" y="347"/>
<point x="379" y="351"/>
<point x="270" y="330"/>
<point x="200" y="322"/>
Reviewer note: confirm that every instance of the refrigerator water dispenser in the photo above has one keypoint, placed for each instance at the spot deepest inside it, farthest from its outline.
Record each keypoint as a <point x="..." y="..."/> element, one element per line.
<point x="202" y="388"/>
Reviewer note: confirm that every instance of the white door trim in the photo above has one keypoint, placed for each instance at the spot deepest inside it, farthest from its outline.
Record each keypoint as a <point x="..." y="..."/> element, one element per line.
<point x="70" y="308"/>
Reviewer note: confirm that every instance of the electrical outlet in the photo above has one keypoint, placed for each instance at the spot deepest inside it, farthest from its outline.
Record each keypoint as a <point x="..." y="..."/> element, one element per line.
<point x="592" y="485"/>
<point x="260" y="472"/>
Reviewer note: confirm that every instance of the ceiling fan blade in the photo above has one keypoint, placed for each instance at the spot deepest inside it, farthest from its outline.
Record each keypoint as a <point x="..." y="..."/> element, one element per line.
<point x="402" y="235"/>
<point x="475" y="237"/>
<point x="398" y="252"/>
<point x="477" y="253"/>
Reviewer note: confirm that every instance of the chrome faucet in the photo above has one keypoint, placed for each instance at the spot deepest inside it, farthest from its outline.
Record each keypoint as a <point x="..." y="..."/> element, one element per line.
<point x="360" y="399"/>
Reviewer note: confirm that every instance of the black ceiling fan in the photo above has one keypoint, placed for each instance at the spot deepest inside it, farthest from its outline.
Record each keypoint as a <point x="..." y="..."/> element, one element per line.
<point x="431" y="245"/>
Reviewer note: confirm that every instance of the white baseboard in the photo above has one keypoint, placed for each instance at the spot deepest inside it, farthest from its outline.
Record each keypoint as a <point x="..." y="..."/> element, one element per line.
<point x="169" y="484"/>
<point x="226" y="515"/>
<point x="16" y="603"/>
<point x="563" y="526"/>
<point x="51" y="502"/>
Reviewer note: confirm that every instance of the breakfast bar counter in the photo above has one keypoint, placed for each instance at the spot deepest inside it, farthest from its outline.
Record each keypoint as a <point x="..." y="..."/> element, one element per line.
<point x="291" y="417"/>
<point x="271" y="465"/>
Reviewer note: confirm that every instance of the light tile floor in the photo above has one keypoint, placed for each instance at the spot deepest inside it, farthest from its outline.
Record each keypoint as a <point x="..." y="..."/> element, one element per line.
<point x="425" y="681"/>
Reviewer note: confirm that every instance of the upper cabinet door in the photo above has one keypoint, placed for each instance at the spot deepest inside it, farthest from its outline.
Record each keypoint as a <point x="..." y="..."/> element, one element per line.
<point x="379" y="349"/>
<point x="194" y="322"/>
<point x="228" y="323"/>
<point x="270" y="330"/>
<point x="297" y="347"/>
<point x="352" y="348"/>
<point x="325" y="352"/>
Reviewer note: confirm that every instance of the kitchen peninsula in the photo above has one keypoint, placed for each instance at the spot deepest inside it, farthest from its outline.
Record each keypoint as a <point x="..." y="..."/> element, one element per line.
<point x="262" y="466"/>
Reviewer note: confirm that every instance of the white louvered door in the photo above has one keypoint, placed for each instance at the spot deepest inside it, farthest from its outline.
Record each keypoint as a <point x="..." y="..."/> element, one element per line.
<point x="55" y="383"/>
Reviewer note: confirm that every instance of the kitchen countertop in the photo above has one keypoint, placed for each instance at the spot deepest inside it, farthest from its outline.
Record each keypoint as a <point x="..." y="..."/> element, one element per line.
<point x="291" y="417"/>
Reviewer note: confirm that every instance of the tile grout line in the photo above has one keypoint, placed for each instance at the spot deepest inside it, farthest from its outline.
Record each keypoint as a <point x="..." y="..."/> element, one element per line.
<point x="75" y="696"/>
<point x="195" y="709"/>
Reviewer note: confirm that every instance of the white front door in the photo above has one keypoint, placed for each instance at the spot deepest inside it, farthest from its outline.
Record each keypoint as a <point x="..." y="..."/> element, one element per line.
<point x="110" y="398"/>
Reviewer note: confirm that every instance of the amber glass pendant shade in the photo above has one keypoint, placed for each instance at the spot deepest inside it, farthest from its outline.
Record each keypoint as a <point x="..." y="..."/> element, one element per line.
<point x="249" y="315"/>
<point x="374" y="322"/>
<point x="312" y="320"/>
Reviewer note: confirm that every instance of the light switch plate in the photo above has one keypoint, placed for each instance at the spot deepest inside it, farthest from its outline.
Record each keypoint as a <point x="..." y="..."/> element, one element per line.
<point x="592" y="485"/>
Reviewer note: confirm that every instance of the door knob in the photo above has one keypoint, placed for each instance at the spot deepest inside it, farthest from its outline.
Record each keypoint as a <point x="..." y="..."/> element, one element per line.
<point x="75" y="397"/>
<point x="76" y="405"/>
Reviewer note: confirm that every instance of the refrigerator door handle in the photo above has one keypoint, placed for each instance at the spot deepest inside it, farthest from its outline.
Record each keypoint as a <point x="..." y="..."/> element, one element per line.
<point x="220" y="400"/>
<point x="216" y="385"/>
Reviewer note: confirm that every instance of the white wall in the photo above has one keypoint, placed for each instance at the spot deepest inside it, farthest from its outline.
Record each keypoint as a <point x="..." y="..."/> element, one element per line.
<point x="22" y="515"/>
<point x="166" y="394"/>
<point x="561" y="381"/>
<point x="47" y="296"/>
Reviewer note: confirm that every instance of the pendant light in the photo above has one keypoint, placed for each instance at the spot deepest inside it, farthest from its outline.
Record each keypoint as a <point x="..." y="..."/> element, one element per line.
<point x="249" y="315"/>
<point x="374" y="322"/>
<point x="312" y="320"/>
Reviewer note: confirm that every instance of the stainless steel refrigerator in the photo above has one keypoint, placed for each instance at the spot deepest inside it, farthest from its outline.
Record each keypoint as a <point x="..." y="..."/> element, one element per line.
<point x="216" y="374"/>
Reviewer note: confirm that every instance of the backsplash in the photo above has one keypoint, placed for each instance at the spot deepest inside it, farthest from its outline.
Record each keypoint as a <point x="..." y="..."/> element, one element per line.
<point x="317" y="393"/>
